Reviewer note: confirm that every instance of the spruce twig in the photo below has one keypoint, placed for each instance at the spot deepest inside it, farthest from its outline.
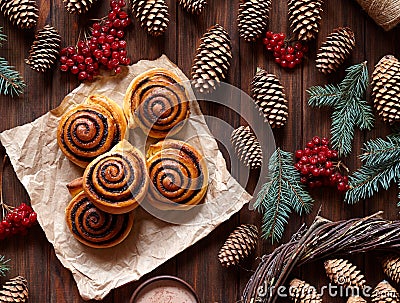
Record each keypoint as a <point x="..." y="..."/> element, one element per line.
<point x="11" y="82"/>
<point x="349" y="109"/>
<point x="3" y="37"/>
<point x="4" y="266"/>
<point x="281" y="194"/>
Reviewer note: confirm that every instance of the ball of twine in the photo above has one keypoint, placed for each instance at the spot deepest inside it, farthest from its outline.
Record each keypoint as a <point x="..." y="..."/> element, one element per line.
<point x="386" y="13"/>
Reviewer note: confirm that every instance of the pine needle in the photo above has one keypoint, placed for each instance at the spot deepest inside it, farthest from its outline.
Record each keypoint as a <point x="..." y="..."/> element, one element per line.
<point x="281" y="194"/>
<point x="4" y="266"/>
<point x="3" y="38"/>
<point x="349" y="110"/>
<point x="11" y="82"/>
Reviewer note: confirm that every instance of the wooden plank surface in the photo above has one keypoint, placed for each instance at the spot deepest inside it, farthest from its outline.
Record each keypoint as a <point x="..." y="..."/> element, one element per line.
<point x="34" y="257"/>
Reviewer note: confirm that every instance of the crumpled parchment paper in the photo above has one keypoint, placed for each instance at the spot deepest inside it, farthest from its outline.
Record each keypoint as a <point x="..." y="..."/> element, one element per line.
<point x="44" y="171"/>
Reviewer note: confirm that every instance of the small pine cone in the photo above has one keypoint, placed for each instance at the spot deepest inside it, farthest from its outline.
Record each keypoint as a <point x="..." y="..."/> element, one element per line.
<point x="194" y="7"/>
<point x="21" y="13"/>
<point x="302" y="292"/>
<point x="356" y="299"/>
<point x="44" y="50"/>
<point x="152" y="15"/>
<point x="385" y="293"/>
<point x="14" y="290"/>
<point x="78" y="6"/>
<point x="335" y="50"/>
<point x="247" y="147"/>
<point x="305" y="18"/>
<point x="342" y="272"/>
<point x="212" y="60"/>
<point x="253" y="18"/>
<point x="391" y="267"/>
<point x="239" y="245"/>
<point x="386" y="89"/>
<point x="269" y="95"/>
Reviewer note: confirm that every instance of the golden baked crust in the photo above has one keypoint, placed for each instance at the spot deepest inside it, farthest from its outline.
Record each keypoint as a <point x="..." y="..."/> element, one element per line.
<point x="91" y="129"/>
<point x="157" y="103"/>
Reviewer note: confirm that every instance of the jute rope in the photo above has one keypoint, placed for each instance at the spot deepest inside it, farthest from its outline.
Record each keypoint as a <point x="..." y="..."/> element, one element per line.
<point x="386" y="13"/>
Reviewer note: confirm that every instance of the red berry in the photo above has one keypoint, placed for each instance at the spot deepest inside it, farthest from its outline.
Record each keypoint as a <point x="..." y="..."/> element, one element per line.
<point x="298" y="46"/>
<point x="96" y="33"/>
<point x="297" y="61"/>
<point x="82" y="75"/>
<point x="299" y="55"/>
<point x="324" y="141"/>
<point x="291" y="64"/>
<point x="70" y="62"/>
<point x="328" y="164"/>
<point x="284" y="63"/>
<point x="269" y="34"/>
<point x="74" y="69"/>
<point x="33" y="217"/>
<point x="310" y="144"/>
<point x="341" y="186"/>
<point x="117" y="23"/>
<point x="265" y="41"/>
<point x="112" y="15"/>
<point x="281" y="36"/>
<point x="118" y="69"/>
<point x="289" y="57"/>
<point x="64" y="67"/>
<point x="290" y="50"/>
<point x="299" y="153"/>
<point x="272" y="42"/>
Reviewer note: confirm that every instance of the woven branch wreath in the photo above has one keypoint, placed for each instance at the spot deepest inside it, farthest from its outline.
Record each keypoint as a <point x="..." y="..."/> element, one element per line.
<point x="321" y="240"/>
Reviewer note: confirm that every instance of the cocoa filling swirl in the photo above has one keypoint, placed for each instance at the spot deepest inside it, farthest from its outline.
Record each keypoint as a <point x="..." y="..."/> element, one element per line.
<point x="95" y="226"/>
<point x="117" y="178"/>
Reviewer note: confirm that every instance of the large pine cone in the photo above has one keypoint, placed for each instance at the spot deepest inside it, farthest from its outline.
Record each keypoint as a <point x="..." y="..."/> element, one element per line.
<point x="302" y="292"/>
<point x="152" y="15"/>
<point x="335" y="50"/>
<point x="305" y="18"/>
<point x="253" y="18"/>
<point x="194" y="7"/>
<point x="386" y="89"/>
<point x="212" y="59"/>
<point x="391" y="267"/>
<point x="78" y="6"/>
<point x="240" y="244"/>
<point x="44" y="50"/>
<point x="14" y="290"/>
<point x="342" y="272"/>
<point x="247" y="147"/>
<point x="21" y="13"/>
<point x="385" y="293"/>
<point x="269" y="95"/>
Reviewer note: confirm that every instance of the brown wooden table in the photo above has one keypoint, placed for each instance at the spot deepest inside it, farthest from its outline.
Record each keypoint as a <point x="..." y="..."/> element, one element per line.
<point x="34" y="258"/>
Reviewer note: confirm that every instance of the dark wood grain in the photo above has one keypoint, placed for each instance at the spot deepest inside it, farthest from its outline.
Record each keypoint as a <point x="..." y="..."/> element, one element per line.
<point x="34" y="257"/>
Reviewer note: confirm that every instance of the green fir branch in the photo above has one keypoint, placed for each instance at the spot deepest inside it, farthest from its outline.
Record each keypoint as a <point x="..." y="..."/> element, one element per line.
<point x="3" y="37"/>
<point x="11" y="82"/>
<point x="281" y="194"/>
<point x="349" y="110"/>
<point x="4" y="266"/>
<point x="379" y="151"/>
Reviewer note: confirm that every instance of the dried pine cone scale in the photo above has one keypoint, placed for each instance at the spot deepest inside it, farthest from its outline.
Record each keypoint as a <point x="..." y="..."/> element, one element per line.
<point x="14" y="290"/>
<point x="253" y="18"/>
<point x="247" y="147"/>
<point x="305" y="18"/>
<point x="391" y="267"/>
<point x="78" y="6"/>
<point x="335" y="50"/>
<point x="342" y="272"/>
<point x="194" y="7"/>
<point x="268" y="93"/>
<point x="302" y="292"/>
<point x="212" y="60"/>
<point x="152" y="15"/>
<point x="385" y="293"/>
<point x="239" y="245"/>
<point x="45" y="49"/>
<point x="386" y="89"/>
<point x="21" y="13"/>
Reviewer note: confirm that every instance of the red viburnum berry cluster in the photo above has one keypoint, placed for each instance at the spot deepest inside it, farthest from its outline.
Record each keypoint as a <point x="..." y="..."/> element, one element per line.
<point x="287" y="56"/>
<point x="106" y="47"/>
<point x="319" y="166"/>
<point x="16" y="220"/>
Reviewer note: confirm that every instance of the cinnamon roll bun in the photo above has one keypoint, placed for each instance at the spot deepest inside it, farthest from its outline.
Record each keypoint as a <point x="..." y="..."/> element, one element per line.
<point x="178" y="175"/>
<point x="157" y="103"/>
<point x="91" y="129"/>
<point x="94" y="227"/>
<point x="117" y="181"/>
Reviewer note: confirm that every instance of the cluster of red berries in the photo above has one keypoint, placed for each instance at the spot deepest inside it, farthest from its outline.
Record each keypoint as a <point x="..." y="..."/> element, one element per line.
<point x="285" y="55"/>
<point x="17" y="220"/>
<point x="106" y="47"/>
<point x="319" y="166"/>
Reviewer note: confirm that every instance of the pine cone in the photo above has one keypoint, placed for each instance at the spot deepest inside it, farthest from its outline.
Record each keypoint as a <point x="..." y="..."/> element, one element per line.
<point x="78" y="6"/>
<point x="342" y="272"/>
<point x="194" y="7"/>
<point x="302" y="292"/>
<point x="21" y="13"/>
<point x="253" y="18"/>
<point x="335" y="50"/>
<point x="386" y="89"/>
<point x="269" y="95"/>
<point x="14" y="290"/>
<point x="305" y="18"/>
<point x="247" y="147"/>
<point x="44" y="50"/>
<point x="356" y="299"/>
<point x="212" y="59"/>
<point x="391" y="267"/>
<point x="385" y="293"/>
<point x="239" y="245"/>
<point x="152" y="15"/>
